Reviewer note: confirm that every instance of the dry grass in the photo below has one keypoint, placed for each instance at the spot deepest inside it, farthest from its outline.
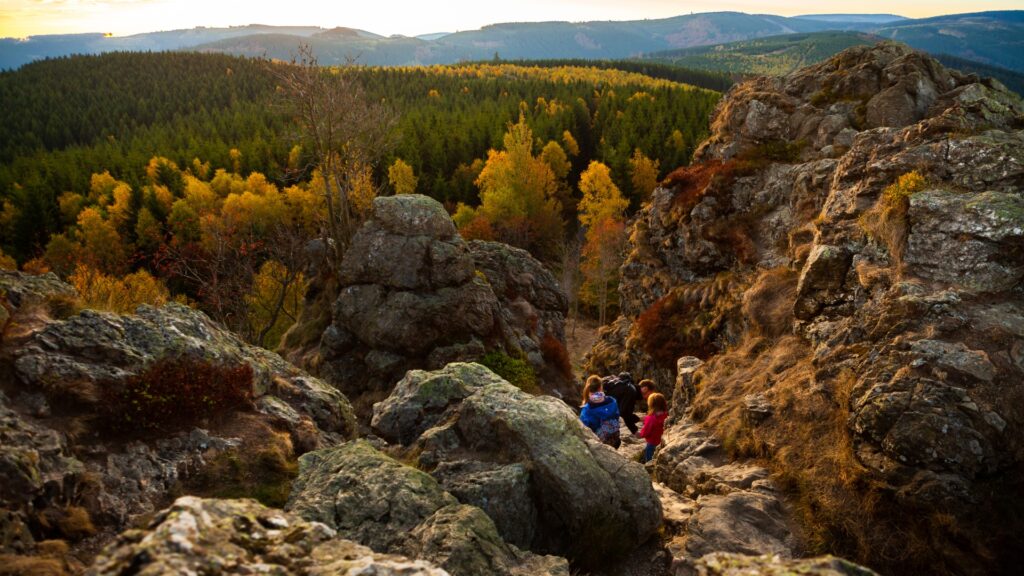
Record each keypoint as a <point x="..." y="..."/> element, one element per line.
<point x="30" y="566"/>
<point x="768" y="304"/>
<point x="842" y="508"/>
<point x="886" y="221"/>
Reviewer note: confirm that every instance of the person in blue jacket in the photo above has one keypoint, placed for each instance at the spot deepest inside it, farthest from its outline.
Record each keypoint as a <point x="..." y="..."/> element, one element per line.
<point x="600" y="413"/>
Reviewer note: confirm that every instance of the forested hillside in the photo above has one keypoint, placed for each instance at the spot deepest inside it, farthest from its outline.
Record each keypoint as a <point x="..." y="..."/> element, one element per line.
<point x="145" y="177"/>
<point x="68" y="118"/>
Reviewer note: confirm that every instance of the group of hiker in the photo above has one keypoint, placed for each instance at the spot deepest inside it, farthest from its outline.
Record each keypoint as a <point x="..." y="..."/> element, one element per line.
<point x="606" y="399"/>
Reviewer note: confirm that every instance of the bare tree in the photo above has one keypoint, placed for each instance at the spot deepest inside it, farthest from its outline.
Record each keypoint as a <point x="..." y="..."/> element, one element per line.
<point x="341" y="127"/>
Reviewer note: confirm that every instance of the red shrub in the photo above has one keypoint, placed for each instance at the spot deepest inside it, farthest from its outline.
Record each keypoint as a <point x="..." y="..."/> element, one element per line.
<point x="556" y="355"/>
<point x="685" y="322"/>
<point x="178" y="393"/>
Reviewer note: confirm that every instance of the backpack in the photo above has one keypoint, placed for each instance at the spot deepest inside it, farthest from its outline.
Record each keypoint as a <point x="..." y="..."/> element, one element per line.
<point x="608" y="431"/>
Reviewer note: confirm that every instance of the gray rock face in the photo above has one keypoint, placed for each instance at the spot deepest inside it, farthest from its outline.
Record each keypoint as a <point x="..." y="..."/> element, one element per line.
<point x="576" y="494"/>
<point x="914" y="304"/>
<point x="57" y="457"/>
<point x="94" y="348"/>
<point x="414" y="295"/>
<point x="721" y="505"/>
<point x="372" y="499"/>
<point x="207" y="536"/>
<point x="967" y="240"/>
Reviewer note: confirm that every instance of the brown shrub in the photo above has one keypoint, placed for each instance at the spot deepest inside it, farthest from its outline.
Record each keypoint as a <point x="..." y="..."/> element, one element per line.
<point x="556" y="355"/>
<point x="177" y="393"/>
<point x="71" y="522"/>
<point x="53" y="548"/>
<point x="691" y="183"/>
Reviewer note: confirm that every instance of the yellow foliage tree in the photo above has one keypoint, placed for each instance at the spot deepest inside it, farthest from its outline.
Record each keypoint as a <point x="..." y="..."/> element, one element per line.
<point x="554" y="156"/>
<point x="200" y="196"/>
<point x="120" y="211"/>
<point x="101" y="291"/>
<point x="274" y="303"/>
<point x="643" y="174"/>
<point x="70" y="205"/>
<point x="362" y="190"/>
<point x="402" y="177"/>
<point x="601" y="197"/>
<point x="100" y="186"/>
<point x="602" y="257"/>
<point x="518" y="195"/>
<point x="102" y="245"/>
<point x="571" y="146"/>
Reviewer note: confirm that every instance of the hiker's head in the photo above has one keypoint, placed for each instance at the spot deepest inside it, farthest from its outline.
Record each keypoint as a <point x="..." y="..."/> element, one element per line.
<point x="647" y="388"/>
<point x="593" y="386"/>
<point x="656" y="403"/>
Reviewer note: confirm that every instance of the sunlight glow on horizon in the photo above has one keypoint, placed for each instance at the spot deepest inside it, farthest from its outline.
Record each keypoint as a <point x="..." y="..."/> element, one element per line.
<point x="22" y="18"/>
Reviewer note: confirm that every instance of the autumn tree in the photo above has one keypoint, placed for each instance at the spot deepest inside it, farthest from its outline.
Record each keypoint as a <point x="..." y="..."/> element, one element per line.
<point x="101" y="291"/>
<point x="602" y="257"/>
<point x="602" y="213"/>
<point x="601" y="198"/>
<point x="643" y="174"/>
<point x="401" y="177"/>
<point x="342" y="130"/>
<point x="518" y="195"/>
<point x="273" y="303"/>
<point x="102" y="247"/>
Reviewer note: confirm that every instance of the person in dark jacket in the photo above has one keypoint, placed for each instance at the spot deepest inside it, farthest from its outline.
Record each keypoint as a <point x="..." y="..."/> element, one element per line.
<point x="600" y="412"/>
<point x="621" y="388"/>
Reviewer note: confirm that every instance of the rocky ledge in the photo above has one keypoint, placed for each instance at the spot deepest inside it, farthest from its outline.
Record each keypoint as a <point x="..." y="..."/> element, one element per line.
<point x="413" y="294"/>
<point x="845" y="257"/>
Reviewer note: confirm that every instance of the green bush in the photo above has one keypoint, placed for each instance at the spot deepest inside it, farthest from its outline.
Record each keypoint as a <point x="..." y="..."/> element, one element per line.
<point x="516" y="371"/>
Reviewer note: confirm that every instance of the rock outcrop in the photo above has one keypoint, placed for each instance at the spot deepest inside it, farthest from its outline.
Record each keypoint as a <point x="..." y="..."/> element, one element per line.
<point x="211" y="536"/>
<point x="414" y="295"/>
<point x="373" y="499"/>
<point x="102" y="416"/>
<point x="724" y="564"/>
<point x="845" y="254"/>
<point x="526" y="460"/>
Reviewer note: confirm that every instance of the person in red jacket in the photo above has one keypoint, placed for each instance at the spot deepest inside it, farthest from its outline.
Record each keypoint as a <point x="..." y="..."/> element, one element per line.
<point x="654" y="423"/>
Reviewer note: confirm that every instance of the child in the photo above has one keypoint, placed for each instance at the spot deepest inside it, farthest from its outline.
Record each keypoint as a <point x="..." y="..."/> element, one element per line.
<point x="600" y="413"/>
<point x="654" y="423"/>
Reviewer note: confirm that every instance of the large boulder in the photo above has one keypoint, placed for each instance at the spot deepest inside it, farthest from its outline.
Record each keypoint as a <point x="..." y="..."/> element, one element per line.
<point x="880" y="314"/>
<point x="104" y="416"/>
<point x="577" y="494"/>
<point x="373" y="499"/>
<point x="208" y="536"/>
<point x="415" y="295"/>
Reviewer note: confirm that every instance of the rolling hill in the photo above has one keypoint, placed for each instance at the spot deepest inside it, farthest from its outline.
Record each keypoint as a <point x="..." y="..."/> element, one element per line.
<point x="993" y="38"/>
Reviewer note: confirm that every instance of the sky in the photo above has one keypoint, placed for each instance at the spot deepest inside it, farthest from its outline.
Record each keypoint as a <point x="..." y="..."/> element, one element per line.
<point x="21" y="18"/>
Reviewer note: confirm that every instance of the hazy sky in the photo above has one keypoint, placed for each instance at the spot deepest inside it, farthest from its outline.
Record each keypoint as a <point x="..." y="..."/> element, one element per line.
<point x="27" y="17"/>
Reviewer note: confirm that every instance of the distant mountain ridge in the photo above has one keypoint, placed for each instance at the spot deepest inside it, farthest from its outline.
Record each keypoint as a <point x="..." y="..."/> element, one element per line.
<point x="781" y="55"/>
<point x="995" y="38"/>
